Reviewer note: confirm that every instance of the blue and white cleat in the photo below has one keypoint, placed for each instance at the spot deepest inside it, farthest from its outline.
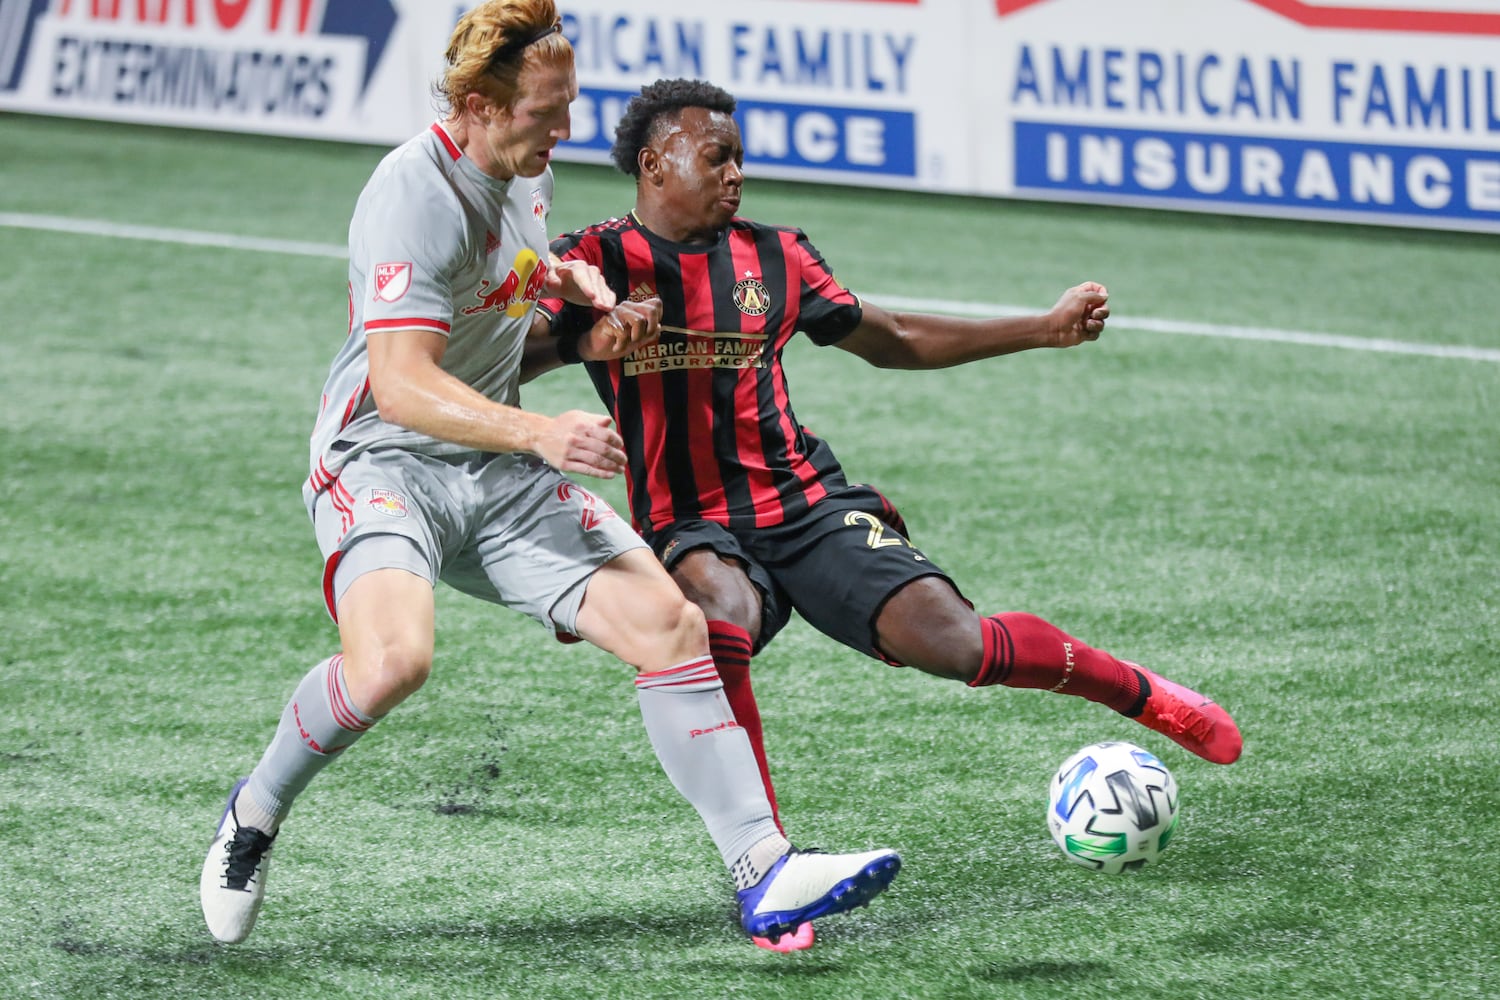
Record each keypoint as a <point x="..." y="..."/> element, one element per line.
<point x="233" y="884"/>
<point x="807" y="885"/>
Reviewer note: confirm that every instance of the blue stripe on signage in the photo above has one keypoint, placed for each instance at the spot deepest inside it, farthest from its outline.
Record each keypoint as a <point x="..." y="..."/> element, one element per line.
<point x="1208" y="168"/>
<point x="872" y="141"/>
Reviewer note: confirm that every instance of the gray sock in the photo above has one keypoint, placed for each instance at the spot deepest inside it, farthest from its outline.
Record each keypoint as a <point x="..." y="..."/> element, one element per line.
<point x="707" y="755"/>
<point x="318" y="723"/>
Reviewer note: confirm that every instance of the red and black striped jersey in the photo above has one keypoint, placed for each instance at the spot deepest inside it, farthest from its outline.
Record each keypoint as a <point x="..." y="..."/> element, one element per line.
<point x="707" y="422"/>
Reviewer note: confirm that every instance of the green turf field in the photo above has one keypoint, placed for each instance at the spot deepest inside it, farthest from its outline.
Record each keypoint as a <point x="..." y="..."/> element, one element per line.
<point x="1309" y="533"/>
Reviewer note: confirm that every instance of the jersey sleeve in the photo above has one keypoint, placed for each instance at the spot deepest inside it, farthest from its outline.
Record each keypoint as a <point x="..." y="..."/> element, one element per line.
<point x="828" y="311"/>
<point x="403" y="259"/>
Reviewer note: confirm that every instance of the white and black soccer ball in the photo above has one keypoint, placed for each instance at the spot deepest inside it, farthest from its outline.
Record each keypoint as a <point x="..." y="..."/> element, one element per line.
<point x="1112" y="807"/>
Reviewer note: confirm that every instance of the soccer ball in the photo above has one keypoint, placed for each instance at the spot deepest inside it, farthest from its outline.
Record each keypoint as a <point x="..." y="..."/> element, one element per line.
<point x="1112" y="807"/>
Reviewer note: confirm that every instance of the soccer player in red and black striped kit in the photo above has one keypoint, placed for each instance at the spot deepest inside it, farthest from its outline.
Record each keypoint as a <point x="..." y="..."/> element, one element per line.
<point x="749" y="510"/>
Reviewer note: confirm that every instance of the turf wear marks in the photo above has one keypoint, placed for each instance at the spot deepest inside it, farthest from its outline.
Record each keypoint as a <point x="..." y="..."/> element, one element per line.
<point x="301" y="248"/>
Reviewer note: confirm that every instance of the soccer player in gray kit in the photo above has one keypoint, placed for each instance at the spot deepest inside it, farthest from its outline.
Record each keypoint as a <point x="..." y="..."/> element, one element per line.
<point x="424" y="468"/>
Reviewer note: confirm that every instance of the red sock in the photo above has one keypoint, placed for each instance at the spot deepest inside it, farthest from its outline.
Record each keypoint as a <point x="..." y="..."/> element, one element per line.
<point x="1023" y="651"/>
<point x="730" y="646"/>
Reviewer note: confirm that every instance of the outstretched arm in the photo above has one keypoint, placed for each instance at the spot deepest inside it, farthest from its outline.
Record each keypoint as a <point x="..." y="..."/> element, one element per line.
<point x="413" y="391"/>
<point x="624" y="328"/>
<point x="921" y="340"/>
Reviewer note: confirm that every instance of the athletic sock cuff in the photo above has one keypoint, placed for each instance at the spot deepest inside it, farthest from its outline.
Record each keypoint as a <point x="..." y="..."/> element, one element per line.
<point x="1139" y="705"/>
<point x="999" y="653"/>
<point x="694" y="675"/>
<point x="728" y="634"/>
<point x="345" y="713"/>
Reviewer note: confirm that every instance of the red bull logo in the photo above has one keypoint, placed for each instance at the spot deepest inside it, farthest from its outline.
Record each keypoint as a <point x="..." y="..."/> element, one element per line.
<point x="388" y="502"/>
<point x="513" y="296"/>
<point x="693" y="734"/>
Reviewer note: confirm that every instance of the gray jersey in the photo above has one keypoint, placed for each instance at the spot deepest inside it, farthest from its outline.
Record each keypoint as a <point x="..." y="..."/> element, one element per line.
<point x="435" y="244"/>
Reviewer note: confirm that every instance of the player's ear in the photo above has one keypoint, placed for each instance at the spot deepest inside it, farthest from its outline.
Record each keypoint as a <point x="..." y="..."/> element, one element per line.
<point x="479" y="107"/>
<point x="649" y="162"/>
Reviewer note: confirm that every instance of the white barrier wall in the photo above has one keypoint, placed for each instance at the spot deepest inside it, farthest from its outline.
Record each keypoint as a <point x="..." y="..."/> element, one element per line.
<point x="1383" y="111"/>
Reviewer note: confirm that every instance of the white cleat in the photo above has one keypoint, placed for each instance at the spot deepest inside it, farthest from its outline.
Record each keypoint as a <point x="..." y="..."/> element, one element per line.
<point x="233" y="883"/>
<point x="806" y="885"/>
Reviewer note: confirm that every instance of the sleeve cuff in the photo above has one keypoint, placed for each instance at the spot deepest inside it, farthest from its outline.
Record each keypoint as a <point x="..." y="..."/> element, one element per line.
<point x="567" y="349"/>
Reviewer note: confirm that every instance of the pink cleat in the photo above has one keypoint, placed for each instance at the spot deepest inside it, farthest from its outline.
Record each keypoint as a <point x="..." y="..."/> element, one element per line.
<point x="800" y="939"/>
<point x="1189" y="719"/>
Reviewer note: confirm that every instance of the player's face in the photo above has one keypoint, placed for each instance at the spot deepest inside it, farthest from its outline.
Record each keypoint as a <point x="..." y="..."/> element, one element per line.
<point x="521" y="138"/>
<point x="701" y="161"/>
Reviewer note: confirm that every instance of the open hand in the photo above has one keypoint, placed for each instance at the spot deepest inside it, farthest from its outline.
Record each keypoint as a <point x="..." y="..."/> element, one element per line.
<point x="581" y="442"/>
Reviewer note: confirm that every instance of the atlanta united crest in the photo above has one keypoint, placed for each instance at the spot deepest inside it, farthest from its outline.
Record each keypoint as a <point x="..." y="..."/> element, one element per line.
<point x="751" y="296"/>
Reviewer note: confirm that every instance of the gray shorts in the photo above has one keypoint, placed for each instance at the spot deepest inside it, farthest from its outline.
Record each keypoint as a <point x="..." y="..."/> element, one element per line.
<point x="508" y="529"/>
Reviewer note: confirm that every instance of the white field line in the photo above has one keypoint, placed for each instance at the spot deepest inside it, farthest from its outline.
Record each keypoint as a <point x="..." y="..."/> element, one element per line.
<point x="1269" y="334"/>
<point x="157" y="234"/>
<point x="299" y="248"/>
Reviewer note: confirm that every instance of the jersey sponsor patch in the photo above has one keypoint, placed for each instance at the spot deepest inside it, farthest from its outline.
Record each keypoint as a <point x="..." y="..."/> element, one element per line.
<point x="388" y="502"/>
<point x="392" y="281"/>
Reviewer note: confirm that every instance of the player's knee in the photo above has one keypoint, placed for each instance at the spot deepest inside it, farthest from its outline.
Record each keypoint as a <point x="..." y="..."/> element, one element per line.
<point x="686" y="621"/>
<point x="736" y="608"/>
<point x="675" y="629"/>
<point x="720" y="587"/>
<point x="381" y="680"/>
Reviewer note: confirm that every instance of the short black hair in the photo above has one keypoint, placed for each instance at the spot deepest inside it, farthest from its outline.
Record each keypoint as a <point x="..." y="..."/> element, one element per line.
<point x="656" y="102"/>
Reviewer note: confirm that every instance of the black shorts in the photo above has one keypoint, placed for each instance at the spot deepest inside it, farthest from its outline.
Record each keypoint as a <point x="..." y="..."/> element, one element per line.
<point x="836" y="565"/>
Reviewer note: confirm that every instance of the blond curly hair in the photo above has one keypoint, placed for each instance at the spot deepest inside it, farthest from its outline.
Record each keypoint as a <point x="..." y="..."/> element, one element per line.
<point x="476" y="38"/>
